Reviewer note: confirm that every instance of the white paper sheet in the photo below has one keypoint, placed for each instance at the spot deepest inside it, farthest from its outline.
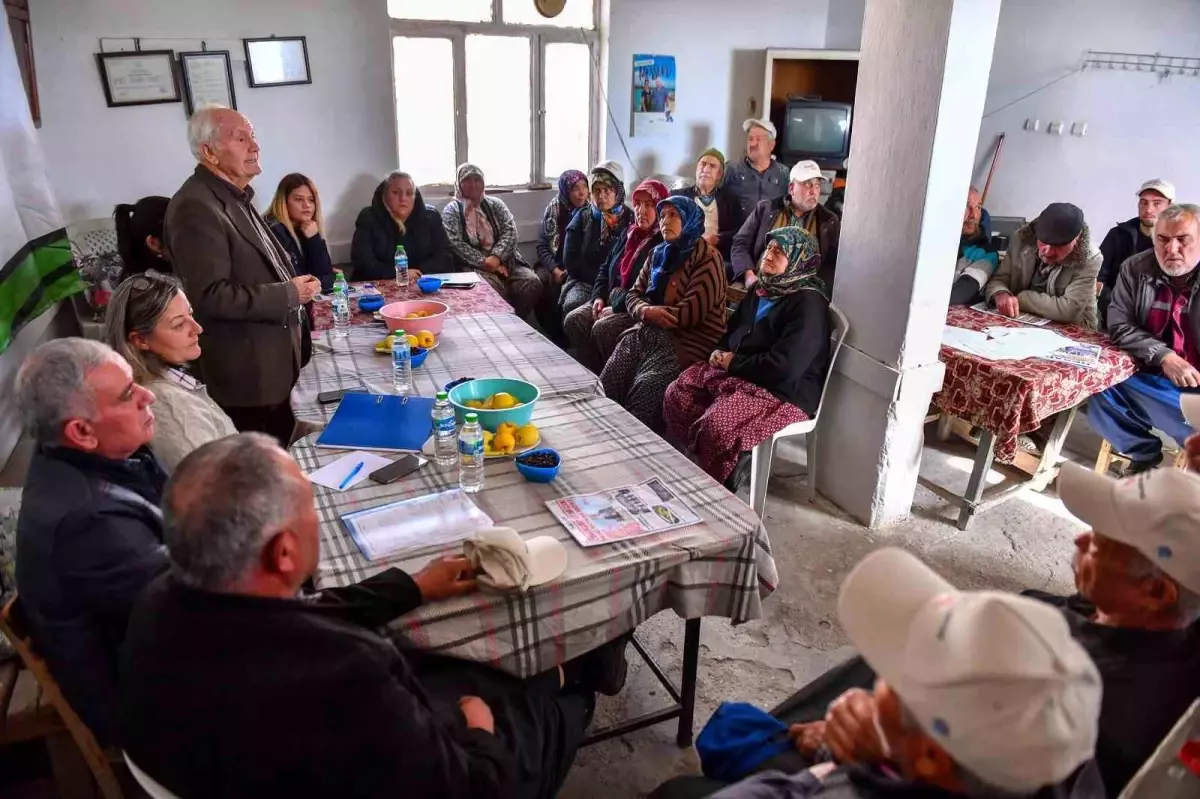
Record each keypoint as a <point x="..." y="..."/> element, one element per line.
<point x="331" y="475"/>
<point x="459" y="277"/>
<point x="432" y="520"/>
<point x="1025" y="318"/>
<point x="1005" y="343"/>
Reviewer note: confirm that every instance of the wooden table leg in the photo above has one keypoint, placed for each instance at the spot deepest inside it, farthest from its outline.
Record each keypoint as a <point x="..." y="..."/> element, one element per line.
<point x="687" y="688"/>
<point x="945" y="421"/>
<point x="1047" y="469"/>
<point x="985" y="453"/>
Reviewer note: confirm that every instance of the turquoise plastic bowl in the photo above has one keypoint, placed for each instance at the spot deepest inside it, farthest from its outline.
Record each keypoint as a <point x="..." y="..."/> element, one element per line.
<point x="525" y="393"/>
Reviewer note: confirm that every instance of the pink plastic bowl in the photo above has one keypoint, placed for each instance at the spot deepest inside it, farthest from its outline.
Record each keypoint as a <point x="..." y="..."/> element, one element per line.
<point x="394" y="314"/>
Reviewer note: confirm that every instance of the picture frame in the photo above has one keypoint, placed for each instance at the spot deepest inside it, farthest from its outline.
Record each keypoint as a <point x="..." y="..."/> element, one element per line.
<point x="277" y="61"/>
<point x="207" y="78"/>
<point x="138" y="77"/>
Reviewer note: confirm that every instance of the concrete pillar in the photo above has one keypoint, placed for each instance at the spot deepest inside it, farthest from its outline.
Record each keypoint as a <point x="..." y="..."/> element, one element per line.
<point x="922" y="81"/>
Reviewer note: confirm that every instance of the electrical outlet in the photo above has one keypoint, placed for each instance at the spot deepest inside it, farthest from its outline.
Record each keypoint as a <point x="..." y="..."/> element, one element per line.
<point x="1055" y="128"/>
<point x="1033" y="125"/>
<point x="1079" y="129"/>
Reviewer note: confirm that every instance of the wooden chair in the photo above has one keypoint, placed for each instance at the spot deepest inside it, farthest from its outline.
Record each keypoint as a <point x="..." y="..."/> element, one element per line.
<point x="1108" y="455"/>
<point x="13" y="626"/>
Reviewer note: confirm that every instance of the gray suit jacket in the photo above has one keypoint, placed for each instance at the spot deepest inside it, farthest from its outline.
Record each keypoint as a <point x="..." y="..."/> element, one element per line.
<point x="236" y="276"/>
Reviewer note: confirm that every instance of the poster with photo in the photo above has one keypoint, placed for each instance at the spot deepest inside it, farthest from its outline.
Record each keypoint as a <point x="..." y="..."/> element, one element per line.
<point x="653" y="100"/>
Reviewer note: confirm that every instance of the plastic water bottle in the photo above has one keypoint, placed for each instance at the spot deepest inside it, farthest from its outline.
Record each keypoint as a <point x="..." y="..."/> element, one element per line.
<point x="339" y="281"/>
<point x="401" y="363"/>
<point x="445" y="431"/>
<point x="341" y="312"/>
<point x="470" y="455"/>
<point x="401" y="266"/>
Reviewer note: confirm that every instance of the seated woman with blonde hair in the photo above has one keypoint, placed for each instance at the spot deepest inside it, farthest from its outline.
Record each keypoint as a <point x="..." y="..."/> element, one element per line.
<point x="398" y="216"/>
<point x="766" y="372"/>
<point x="295" y="219"/>
<point x="149" y="322"/>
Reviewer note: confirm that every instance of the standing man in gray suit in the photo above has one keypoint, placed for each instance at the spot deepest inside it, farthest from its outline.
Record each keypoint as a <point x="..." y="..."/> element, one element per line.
<point x="239" y="280"/>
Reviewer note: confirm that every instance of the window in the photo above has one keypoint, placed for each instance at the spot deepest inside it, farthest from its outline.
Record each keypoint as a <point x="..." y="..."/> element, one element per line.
<point x="494" y="83"/>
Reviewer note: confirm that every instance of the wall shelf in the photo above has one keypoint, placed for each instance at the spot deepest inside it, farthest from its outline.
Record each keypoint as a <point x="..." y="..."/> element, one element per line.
<point x="1163" y="65"/>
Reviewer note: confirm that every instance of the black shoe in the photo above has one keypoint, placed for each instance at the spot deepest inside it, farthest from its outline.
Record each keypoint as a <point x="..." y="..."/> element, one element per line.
<point x="741" y="472"/>
<point x="1137" y="467"/>
<point x="605" y="669"/>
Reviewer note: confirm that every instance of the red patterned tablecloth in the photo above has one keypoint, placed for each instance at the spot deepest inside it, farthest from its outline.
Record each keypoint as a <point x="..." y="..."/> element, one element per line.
<point x="1013" y="397"/>
<point x="482" y="299"/>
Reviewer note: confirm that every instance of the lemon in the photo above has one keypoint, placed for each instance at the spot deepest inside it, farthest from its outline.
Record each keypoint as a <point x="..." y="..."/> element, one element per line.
<point x="509" y="426"/>
<point x="504" y="442"/>
<point x="527" y="436"/>
<point x="487" y="442"/>
<point x="474" y="404"/>
<point x="413" y="341"/>
<point x="487" y="403"/>
<point x="426" y="339"/>
<point x="502" y="401"/>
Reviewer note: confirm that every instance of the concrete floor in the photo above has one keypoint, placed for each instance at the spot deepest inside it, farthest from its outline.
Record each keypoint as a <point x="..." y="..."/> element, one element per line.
<point x="1024" y="543"/>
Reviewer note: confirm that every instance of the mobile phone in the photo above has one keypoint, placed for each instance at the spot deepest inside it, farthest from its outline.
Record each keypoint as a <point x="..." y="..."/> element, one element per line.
<point x="326" y="397"/>
<point x="397" y="469"/>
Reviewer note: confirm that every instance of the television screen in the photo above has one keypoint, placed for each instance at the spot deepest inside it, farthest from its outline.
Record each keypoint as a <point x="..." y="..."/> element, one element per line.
<point x="817" y="130"/>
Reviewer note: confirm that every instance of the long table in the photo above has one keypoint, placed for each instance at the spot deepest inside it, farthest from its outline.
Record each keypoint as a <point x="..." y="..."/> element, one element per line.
<point x="482" y="299"/>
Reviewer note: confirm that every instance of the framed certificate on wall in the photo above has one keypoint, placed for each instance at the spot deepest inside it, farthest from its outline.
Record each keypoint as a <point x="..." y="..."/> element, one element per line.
<point x="140" y="77"/>
<point x="207" y="79"/>
<point x="277" y="61"/>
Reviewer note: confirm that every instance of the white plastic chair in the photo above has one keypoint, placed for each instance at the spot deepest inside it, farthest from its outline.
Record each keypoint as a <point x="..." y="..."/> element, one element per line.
<point x="148" y="784"/>
<point x="760" y="468"/>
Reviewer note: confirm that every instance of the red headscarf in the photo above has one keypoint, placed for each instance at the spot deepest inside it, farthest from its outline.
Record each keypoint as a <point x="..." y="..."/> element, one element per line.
<point x="636" y="239"/>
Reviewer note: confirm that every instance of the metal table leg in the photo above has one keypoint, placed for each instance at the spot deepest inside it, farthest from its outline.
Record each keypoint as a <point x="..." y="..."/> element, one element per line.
<point x="687" y="699"/>
<point x="984" y="455"/>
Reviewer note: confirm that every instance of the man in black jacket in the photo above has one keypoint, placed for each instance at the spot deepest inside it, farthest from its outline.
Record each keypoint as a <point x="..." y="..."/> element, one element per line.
<point x="233" y="685"/>
<point x="1131" y="237"/>
<point x="89" y="534"/>
<point x="722" y="211"/>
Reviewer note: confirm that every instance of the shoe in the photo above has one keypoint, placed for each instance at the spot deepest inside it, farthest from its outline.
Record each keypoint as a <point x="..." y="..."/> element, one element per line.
<point x="740" y="474"/>
<point x="1137" y="467"/>
<point x="606" y="668"/>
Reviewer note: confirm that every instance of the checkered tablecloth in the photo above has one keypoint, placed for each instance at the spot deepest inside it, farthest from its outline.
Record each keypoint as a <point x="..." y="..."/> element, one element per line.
<point x="722" y="567"/>
<point x="1013" y="397"/>
<point x="499" y="345"/>
<point x="482" y="299"/>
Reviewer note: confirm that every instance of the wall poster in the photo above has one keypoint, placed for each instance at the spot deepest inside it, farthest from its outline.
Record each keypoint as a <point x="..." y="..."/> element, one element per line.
<point x="653" y="101"/>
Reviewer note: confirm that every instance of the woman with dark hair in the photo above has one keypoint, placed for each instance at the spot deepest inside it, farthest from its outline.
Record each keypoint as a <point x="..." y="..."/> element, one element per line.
<point x="295" y="219"/>
<point x="399" y="216"/>
<point x="572" y="195"/>
<point x="139" y="235"/>
<point x="149" y="322"/>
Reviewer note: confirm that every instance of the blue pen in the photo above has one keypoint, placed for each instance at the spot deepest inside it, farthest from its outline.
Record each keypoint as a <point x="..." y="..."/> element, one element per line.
<point x="349" y="477"/>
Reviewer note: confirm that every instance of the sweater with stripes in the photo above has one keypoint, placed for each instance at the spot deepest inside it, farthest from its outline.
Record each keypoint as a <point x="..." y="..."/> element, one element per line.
<point x="695" y="296"/>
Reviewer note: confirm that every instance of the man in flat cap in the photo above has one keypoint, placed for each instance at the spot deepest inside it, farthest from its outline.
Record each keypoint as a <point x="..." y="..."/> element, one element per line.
<point x="1050" y="270"/>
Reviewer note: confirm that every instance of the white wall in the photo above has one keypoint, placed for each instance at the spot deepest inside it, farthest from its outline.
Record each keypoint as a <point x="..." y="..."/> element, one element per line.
<point x="720" y="53"/>
<point x="338" y="130"/>
<point x="1138" y="126"/>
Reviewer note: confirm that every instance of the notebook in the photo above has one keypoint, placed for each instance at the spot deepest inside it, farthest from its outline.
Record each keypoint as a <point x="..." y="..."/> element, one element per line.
<point x="379" y="422"/>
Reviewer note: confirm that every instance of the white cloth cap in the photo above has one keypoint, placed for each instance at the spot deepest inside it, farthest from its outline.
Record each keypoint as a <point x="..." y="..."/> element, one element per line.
<point x="1163" y="187"/>
<point x="1155" y="512"/>
<point x="1190" y="405"/>
<point x="994" y="678"/>
<point x="765" y="124"/>
<point x="506" y="562"/>
<point x="805" y="170"/>
<point x="613" y="168"/>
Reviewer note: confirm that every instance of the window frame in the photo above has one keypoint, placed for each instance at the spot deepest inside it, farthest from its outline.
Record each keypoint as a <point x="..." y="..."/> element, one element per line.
<point x="539" y="36"/>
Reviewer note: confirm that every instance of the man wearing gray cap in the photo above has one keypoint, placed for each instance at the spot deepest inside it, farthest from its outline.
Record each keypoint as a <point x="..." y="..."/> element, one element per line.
<point x="1050" y="270"/>
<point x="758" y="176"/>
<point x="1131" y="237"/>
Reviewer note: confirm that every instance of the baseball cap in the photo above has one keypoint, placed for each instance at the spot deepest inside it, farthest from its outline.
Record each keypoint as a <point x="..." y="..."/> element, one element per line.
<point x="1163" y="187"/>
<point x="1058" y="224"/>
<point x="805" y="170"/>
<point x="611" y="167"/>
<point x="505" y="561"/>
<point x="996" y="679"/>
<point x="1156" y="512"/>
<point x="765" y="124"/>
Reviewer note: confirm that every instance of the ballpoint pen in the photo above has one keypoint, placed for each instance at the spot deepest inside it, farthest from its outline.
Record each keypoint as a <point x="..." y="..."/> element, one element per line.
<point x="346" y="480"/>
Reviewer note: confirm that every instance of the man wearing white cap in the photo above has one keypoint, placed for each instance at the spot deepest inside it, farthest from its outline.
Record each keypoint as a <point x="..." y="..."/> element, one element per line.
<point x="800" y="207"/>
<point x="979" y="692"/>
<point x="1131" y="237"/>
<point x="758" y="176"/>
<point x="1154" y="318"/>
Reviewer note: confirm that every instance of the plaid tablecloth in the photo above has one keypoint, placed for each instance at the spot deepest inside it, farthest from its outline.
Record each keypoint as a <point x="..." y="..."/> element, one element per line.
<point x="722" y="567"/>
<point x="1013" y="397"/>
<point x="481" y="299"/>
<point x="470" y="346"/>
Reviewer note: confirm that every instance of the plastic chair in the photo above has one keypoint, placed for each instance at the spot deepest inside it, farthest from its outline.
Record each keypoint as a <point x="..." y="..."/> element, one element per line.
<point x="93" y="236"/>
<point x="148" y="784"/>
<point x="760" y="468"/>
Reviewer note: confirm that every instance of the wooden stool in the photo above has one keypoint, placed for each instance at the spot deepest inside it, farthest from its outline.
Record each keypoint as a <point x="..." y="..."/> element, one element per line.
<point x="1108" y="455"/>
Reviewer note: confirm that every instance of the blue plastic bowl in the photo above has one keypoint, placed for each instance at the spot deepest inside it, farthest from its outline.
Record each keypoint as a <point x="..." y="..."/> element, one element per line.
<point x="429" y="285"/>
<point x="539" y="474"/>
<point x="370" y="303"/>
<point x="418" y="356"/>
<point x="525" y="393"/>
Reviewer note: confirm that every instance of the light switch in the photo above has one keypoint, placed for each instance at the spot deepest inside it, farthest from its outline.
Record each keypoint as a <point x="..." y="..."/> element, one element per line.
<point x="1079" y="129"/>
<point x="1055" y="128"/>
<point x="1033" y="125"/>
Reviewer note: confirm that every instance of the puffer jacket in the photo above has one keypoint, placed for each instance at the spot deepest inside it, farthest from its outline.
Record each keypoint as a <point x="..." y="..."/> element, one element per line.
<point x="1071" y="290"/>
<point x="1137" y="285"/>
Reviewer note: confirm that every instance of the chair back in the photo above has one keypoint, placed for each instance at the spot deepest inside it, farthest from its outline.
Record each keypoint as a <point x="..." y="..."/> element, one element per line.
<point x="93" y="236"/>
<point x="837" y="337"/>
<point x="12" y="624"/>
<point x="150" y="785"/>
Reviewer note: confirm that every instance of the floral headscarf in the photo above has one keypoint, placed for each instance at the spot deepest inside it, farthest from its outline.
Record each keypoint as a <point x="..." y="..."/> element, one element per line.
<point x="804" y="260"/>
<point x="635" y="238"/>
<point x="475" y="221"/>
<point x="667" y="256"/>
<point x="612" y="217"/>
<point x="561" y="214"/>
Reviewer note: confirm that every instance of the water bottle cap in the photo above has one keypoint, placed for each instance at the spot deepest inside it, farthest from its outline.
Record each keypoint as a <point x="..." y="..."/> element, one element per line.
<point x="472" y="417"/>
<point x="397" y="332"/>
<point x="442" y="395"/>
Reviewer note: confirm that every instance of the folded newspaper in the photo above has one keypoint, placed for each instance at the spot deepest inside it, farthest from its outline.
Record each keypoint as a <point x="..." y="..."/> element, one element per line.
<point x="620" y="514"/>
<point x="1085" y="356"/>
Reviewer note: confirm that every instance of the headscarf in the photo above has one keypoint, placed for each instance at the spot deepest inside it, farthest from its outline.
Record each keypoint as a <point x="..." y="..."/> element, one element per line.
<point x="667" y="256"/>
<point x="804" y="260"/>
<point x="476" y="223"/>
<point x="562" y="212"/>
<point x="636" y="239"/>
<point x="611" y="217"/>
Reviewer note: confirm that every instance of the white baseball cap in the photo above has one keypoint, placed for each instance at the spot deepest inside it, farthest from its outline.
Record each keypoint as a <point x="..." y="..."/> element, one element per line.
<point x="1163" y="187"/>
<point x="996" y="679"/>
<point x="1155" y="512"/>
<point x="507" y="562"/>
<point x="765" y="124"/>
<point x="805" y="170"/>
<point x="1190" y="405"/>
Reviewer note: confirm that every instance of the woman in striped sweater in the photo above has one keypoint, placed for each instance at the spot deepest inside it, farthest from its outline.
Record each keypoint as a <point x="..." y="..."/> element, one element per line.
<point x="679" y="301"/>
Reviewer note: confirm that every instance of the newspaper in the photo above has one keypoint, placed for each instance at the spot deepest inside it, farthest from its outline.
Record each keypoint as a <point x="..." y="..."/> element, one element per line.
<point x="1084" y="356"/>
<point x="620" y="514"/>
<point x="1025" y="318"/>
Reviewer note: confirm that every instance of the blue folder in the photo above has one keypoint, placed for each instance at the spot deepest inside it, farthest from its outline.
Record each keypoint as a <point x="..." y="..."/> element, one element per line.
<point x="379" y="422"/>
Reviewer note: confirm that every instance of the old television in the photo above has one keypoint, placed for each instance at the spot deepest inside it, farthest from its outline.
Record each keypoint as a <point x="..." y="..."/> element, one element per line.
<point x="817" y="130"/>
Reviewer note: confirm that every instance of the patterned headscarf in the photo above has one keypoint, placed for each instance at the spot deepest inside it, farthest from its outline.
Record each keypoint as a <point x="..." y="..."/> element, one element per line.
<point x="465" y="171"/>
<point x="667" y="256"/>
<point x="804" y="259"/>
<point x="636" y="239"/>
<point x="562" y="213"/>
<point x="475" y="222"/>
<point x="611" y="217"/>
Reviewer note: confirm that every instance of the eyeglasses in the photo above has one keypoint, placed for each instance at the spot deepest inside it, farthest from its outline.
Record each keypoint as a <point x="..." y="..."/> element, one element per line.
<point x="147" y="280"/>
